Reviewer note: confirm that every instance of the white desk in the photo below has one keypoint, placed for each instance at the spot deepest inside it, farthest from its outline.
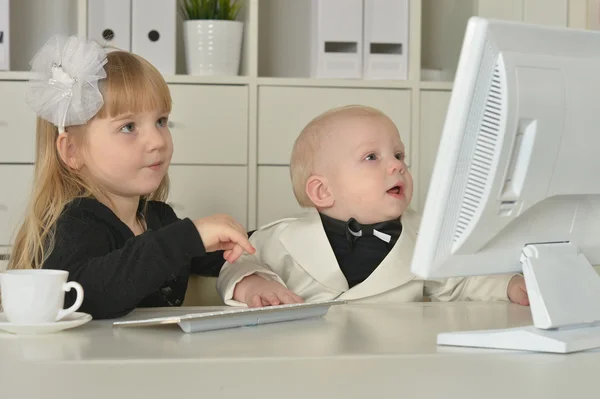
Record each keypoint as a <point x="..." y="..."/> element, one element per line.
<point x="356" y="351"/>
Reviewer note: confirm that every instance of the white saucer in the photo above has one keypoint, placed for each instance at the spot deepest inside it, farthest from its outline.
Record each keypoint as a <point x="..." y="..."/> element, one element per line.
<point x="73" y="320"/>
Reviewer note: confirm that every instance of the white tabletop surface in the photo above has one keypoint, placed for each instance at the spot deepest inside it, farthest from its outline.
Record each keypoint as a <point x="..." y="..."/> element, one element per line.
<point x="355" y="351"/>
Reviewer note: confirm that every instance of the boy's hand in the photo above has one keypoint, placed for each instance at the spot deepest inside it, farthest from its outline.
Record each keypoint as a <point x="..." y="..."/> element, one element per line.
<point x="517" y="292"/>
<point x="257" y="292"/>
<point x="222" y="232"/>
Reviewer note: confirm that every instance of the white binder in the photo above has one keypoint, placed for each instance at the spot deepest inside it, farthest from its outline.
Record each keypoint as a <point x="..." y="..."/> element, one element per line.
<point x="153" y="34"/>
<point x="386" y="39"/>
<point x="325" y="39"/>
<point x="4" y="35"/>
<point x="339" y="39"/>
<point x="109" y="23"/>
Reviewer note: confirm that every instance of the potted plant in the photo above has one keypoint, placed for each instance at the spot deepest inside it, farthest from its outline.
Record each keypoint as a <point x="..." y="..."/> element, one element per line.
<point x="212" y="36"/>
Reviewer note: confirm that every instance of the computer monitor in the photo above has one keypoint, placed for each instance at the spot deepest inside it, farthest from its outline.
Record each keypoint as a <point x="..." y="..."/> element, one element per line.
<point x="516" y="183"/>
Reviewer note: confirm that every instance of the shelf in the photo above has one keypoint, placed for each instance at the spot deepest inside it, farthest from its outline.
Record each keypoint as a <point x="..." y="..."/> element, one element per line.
<point x="33" y="22"/>
<point x="288" y="45"/>
<point x="358" y="83"/>
<point x="430" y="85"/>
<point x="209" y="80"/>
<point x="185" y="79"/>
<point x="443" y="25"/>
<point x="295" y="82"/>
<point x="15" y="75"/>
<point x="31" y="27"/>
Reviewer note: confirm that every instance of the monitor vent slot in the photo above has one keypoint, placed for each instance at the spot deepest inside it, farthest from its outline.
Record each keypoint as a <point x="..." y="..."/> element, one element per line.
<point x="483" y="157"/>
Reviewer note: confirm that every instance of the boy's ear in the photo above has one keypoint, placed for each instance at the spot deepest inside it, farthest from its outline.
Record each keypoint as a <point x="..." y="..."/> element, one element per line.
<point x="319" y="192"/>
<point x="67" y="151"/>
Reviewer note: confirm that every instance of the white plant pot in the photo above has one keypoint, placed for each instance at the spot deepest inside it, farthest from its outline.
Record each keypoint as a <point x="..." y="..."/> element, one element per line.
<point x="213" y="47"/>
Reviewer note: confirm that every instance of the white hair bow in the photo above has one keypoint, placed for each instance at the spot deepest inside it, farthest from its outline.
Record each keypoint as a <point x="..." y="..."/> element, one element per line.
<point x="65" y="89"/>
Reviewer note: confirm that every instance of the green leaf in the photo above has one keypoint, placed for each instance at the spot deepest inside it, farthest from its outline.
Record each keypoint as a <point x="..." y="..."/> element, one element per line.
<point x="210" y="9"/>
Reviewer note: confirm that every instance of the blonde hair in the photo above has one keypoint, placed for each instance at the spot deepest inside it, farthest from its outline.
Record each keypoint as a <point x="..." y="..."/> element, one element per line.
<point x="307" y="147"/>
<point x="132" y="85"/>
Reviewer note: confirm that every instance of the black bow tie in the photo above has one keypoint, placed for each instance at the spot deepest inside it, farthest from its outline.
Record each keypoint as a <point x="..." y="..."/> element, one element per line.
<point x="388" y="231"/>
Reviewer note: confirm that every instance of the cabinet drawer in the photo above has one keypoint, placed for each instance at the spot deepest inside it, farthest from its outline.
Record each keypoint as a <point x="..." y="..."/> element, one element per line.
<point x="198" y="191"/>
<point x="284" y="111"/>
<point x="17" y="124"/>
<point x="209" y="124"/>
<point x="276" y="198"/>
<point x="18" y="180"/>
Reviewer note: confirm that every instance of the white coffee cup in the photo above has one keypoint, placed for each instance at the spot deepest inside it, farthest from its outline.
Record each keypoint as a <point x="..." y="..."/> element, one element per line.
<point x="35" y="296"/>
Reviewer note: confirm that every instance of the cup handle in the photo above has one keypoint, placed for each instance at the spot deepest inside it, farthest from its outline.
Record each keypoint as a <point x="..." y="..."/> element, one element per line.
<point x="67" y="287"/>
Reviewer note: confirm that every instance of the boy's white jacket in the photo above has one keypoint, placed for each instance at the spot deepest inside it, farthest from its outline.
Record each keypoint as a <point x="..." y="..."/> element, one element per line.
<point x="297" y="253"/>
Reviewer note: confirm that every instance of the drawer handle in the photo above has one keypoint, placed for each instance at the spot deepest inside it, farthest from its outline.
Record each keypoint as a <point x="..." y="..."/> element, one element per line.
<point x="4" y="257"/>
<point x="3" y="208"/>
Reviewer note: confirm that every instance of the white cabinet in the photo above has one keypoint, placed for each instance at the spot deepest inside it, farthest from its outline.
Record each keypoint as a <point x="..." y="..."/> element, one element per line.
<point x="198" y="191"/>
<point x="209" y="124"/>
<point x="276" y="198"/>
<point x="284" y="111"/>
<point x="17" y="124"/>
<point x="16" y="188"/>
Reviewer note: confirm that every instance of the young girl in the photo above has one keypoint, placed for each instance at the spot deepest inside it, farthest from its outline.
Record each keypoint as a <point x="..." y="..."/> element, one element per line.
<point x="97" y="209"/>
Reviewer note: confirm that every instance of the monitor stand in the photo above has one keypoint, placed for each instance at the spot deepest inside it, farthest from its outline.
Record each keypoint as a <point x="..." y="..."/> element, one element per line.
<point x="564" y="295"/>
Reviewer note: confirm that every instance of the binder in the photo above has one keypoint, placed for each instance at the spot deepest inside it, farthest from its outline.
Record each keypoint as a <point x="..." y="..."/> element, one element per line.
<point x="4" y="35"/>
<point x="338" y="44"/>
<point x="109" y="23"/>
<point x="323" y="40"/>
<point x="386" y="39"/>
<point x="153" y="32"/>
